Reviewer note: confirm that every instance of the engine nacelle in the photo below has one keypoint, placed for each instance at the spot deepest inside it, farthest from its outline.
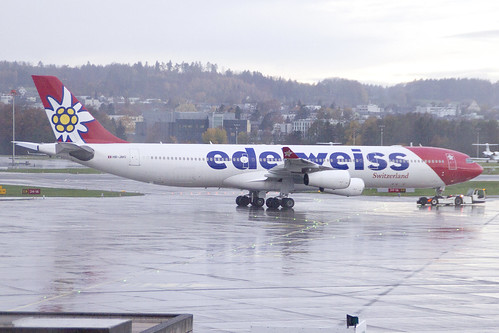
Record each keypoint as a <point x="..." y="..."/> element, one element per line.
<point x="355" y="188"/>
<point x="330" y="179"/>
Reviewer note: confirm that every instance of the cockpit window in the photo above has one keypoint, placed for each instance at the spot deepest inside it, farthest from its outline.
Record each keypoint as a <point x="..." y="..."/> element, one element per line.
<point x="469" y="160"/>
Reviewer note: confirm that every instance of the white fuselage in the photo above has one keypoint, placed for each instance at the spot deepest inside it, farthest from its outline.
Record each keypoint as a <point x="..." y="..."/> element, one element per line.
<point x="202" y="165"/>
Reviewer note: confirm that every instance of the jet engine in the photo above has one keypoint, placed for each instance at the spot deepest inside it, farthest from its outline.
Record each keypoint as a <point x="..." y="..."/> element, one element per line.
<point x="355" y="188"/>
<point x="330" y="179"/>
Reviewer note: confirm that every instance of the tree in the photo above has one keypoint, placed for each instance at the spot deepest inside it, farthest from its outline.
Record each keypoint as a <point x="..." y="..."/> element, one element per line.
<point x="238" y="112"/>
<point x="186" y="107"/>
<point x="321" y="131"/>
<point x="31" y="125"/>
<point x="294" y="138"/>
<point x="243" y="138"/>
<point x="370" y="132"/>
<point x="270" y="119"/>
<point x="352" y="134"/>
<point x="303" y="113"/>
<point x="120" y="130"/>
<point x="215" y="135"/>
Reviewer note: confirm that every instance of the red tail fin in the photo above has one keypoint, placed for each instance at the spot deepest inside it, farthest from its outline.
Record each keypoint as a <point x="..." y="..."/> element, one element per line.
<point x="69" y="119"/>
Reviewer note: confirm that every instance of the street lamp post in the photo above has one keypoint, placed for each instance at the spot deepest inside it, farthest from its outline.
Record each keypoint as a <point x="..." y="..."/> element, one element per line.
<point x="13" y="93"/>
<point x="478" y="143"/>
<point x="236" y="126"/>
<point x="381" y="128"/>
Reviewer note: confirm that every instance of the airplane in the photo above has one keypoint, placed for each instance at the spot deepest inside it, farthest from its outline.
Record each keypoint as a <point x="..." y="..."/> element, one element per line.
<point x="489" y="155"/>
<point x="258" y="169"/>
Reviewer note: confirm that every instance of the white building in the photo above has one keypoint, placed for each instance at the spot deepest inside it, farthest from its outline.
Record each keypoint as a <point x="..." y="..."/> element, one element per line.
<point x="217" y="119"/>
<point x="90" y="101"/>
<point x="302" y="125"/>
<point x="284" y="128"/>
<point x="369" y="108"/>
<point x="6" y="99"/>
<point x="474" y="107"/>
<point x="438" y="111"/>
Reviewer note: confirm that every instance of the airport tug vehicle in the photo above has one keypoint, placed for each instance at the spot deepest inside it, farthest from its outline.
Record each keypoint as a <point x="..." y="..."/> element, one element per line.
<point x="473" y="196"/>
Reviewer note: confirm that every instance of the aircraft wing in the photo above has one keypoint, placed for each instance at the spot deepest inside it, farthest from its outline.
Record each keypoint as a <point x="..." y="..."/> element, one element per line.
<point x="293" y="164"/>
<point x="289" y="172"/>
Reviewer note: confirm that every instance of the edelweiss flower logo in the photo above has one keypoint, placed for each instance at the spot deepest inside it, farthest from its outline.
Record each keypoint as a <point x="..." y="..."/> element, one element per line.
<point x="68" y="119"/>
<point x="65" y="120"/>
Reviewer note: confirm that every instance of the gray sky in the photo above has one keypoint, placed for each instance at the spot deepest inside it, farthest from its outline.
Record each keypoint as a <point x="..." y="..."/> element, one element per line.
<point x="373" y="41"/>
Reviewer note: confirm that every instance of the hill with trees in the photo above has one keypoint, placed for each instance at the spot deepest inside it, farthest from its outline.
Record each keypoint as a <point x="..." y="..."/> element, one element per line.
<point x="185" y="85"/>
<point x="200" y="83"/>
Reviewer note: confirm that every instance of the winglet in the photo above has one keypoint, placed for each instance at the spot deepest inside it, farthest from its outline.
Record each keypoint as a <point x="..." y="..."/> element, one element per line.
<point x="288" y="153"/>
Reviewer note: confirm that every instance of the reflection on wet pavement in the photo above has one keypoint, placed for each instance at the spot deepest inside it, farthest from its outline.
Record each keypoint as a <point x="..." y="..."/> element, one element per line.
<point x="400" y="267"/>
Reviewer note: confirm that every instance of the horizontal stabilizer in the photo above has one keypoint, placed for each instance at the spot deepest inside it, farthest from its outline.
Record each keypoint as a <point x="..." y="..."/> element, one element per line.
<point x="29" y="145"/>
<point x="83" y="153"/>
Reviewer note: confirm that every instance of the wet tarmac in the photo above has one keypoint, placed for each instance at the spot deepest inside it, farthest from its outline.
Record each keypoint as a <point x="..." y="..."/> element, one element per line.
<point x="176" y="250"/>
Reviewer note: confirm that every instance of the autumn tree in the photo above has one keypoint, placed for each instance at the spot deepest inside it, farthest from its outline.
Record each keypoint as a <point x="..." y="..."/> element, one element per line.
<point x="352" y="135"/>
<point x="321" y="131"/>
<point x="215" y="135"/>
<point x="31" y="125"/>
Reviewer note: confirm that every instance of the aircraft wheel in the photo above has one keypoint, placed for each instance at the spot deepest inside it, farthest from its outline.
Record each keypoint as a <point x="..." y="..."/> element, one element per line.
<point x="276" y="203"/>
<point x="268" y="202"/>
<point x="242" y="200"/>
<point x="258" y="202"/>
<point x="273" y="203"/>
<point x="458" y="201"/>
<point x="287" y="203"/>
<point x="423" y="201"/>
<point x="434" y="201"/>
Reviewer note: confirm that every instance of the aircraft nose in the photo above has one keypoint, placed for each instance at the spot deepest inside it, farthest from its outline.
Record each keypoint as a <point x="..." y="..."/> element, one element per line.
<point x="472" y="170"/>
<point x="477" y="170"/>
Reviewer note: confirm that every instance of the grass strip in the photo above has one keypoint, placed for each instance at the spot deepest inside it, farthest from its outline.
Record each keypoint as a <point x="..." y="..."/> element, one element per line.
<point x="36" y="191"/>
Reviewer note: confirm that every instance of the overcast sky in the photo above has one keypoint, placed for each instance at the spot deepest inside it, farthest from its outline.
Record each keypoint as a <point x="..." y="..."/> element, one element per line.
<point x="373" y="41"/>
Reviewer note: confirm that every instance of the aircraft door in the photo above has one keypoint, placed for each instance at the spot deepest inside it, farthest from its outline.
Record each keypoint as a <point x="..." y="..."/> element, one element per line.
<point x="134" y="158"/>
<point x="451" y="161"/>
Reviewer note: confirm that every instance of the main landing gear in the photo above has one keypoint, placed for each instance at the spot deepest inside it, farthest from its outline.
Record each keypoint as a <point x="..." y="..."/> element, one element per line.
<point x="252" y="198"/>
<point x="283" y="202"/>
<point x="255" y="200"/>
<point x="245" y="200"/>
